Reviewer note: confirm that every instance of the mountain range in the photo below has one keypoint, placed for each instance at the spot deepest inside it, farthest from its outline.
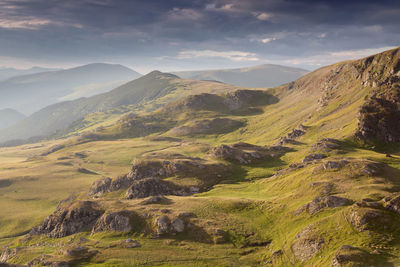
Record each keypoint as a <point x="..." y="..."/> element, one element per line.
<point x="29" y="93"/>
<point x="7" y="73"/>
<point x="8" y="117"/>
<point x="267" y="75"/>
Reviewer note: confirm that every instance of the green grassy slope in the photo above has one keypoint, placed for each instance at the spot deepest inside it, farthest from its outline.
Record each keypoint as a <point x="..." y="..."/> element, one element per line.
<point x="271" y="211"/>
<point x="147" y="92"/>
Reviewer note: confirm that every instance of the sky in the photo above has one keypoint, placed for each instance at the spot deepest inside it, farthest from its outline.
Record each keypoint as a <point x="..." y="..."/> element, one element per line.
<point x="199" y="34"/>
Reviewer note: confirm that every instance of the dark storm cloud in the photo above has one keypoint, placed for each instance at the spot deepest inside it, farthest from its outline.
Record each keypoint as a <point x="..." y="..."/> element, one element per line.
<point x="190" y="34"/>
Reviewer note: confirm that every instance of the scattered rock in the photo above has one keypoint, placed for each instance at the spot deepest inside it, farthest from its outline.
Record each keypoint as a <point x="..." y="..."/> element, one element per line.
<point x="372" y="168"/>
<point x="242" y="153"/>
<point x="162" y="225"/>
<point x="129" y="243"/>
<point x="79" y="252"/>
<point x="369" y="219"/>
<point x="8" y="254"/>
<point x="312" y="157"/>
<point x="178" y="225"/>
<point x="99" y="187"/>
<point x="53" y="149"/>
<point x="156" y="200"/>
<point x="320" y="203"/>
<point x="330" y="165"/>
<point x="307" y="243"/>
<point x="351" y="255"/>
<point x="116" y="221"/>
<point x="326" y="145"/>
<point x="290" y="137"/>
<point x="393" y="204"/>
<point x="78" y="217"/>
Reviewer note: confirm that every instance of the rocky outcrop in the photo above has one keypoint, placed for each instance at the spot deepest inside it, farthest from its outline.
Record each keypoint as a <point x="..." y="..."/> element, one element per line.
<point x="100" y="186"/>
<point x="369" y="219"/>
<point x="379" y="117"/>
<point x="314" y="156"/>
<point x="78" y="217"/>
<point x="392" y="203"/>
<point x="153" y="187"/>
<point x="8" y="254"/>
<point x="164" y="225"/>
<point x="156" y="168"/>
<point x="292" y="136"/>
<point x="331" y="165"/>
<point x="320" y="203"/>
<point x="242" y="153"/>
<point x="372" y="168"/>
<point x="326" y="145"/>
<point x="116" y="222"/>
<point x="183" y="167"/>
<point x="349" y="255"/>
<point x="307" y="243"/>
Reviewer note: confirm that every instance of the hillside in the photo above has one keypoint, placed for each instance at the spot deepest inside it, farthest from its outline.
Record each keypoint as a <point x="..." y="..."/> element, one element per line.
<point x="29" y="93"/>
<point x="305" y="174"/>
<point x="9" y="117"/>
<point x="147" y="92"/>
<point x="261" y="76"/>
<point x="7" y="73"/>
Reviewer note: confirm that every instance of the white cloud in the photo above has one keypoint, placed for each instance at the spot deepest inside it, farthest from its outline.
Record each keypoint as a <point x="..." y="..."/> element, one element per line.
<point x="27" y="23"/>
<point x="267" y="40"/>
<point x="230" y="55"/>
<point x="31" y="23"/>
<point x="263" y="15"/>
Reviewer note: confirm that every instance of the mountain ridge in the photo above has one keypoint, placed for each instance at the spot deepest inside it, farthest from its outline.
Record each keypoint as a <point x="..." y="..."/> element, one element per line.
<point x="265" y="75"/>
<point x="29" y="93"/>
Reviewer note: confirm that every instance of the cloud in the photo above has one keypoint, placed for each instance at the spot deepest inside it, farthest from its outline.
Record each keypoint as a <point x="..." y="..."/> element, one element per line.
<point x="26" y="23"/>
<point x="184" y="14"/>
<point x="263" y="16"/>
<point x="267" y="40"/>
<point x="230" y="55"/>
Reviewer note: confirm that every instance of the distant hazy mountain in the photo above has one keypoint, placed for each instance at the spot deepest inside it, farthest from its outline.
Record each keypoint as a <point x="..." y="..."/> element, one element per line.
<point x="267" y="75"/>
<point x="153" y="87"/>
<point x="7" y="73"/>
<point x="29" y="93"/>
<point x="9" y="117"/>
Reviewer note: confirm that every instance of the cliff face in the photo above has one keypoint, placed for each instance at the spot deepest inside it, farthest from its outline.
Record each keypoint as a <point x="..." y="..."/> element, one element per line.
<point x="379" y="116"/>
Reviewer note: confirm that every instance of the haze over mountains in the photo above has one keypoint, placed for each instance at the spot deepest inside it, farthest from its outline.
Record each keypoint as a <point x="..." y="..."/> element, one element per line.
<point x="148" y="89"/>
<point x="9" y="117"/>
<point x="29" y="93"/>
<point x="57" y="98"/>
<point x="6" y="73"/>
<point x="267" y="75"/>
